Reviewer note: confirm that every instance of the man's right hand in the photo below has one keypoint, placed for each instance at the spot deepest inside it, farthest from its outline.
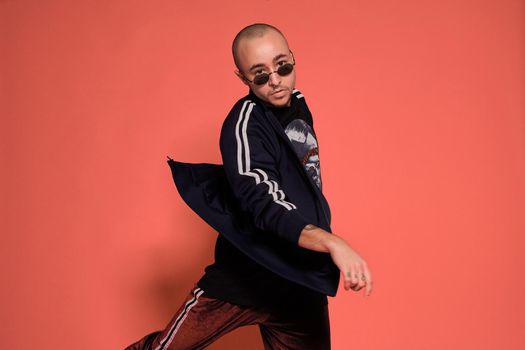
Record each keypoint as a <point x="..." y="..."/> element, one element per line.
<point x="354" y="268"/>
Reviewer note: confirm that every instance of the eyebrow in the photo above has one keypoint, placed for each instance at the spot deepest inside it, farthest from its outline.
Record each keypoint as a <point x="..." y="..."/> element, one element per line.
<point x="259" y="65"/>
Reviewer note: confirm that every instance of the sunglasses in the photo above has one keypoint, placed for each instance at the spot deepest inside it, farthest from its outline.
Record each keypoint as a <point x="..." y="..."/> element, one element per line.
<point x="284" y="70"/>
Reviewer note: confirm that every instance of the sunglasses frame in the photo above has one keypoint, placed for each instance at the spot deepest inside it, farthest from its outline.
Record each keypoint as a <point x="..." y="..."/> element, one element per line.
<point x="268" y="74"/>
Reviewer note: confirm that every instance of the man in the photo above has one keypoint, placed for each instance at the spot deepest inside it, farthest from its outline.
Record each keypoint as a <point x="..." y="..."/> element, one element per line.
<point x="276" y="259"/>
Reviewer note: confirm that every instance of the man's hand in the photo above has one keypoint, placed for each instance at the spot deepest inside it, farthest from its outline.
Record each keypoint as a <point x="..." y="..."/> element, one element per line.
<point x="356" y="274"/>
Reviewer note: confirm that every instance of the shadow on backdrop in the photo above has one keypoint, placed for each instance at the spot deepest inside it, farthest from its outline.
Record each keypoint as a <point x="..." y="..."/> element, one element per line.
<point x="167" y="285"/>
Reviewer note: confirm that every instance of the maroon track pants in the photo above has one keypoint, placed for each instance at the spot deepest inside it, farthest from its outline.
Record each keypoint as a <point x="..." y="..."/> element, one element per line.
<point x="201" y="320"/>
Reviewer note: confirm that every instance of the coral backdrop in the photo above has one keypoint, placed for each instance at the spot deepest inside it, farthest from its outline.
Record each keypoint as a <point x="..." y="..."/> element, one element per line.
<point x="420" y="112"/>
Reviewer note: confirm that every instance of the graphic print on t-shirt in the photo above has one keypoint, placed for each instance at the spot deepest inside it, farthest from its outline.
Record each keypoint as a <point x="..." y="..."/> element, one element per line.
<point x="305" y="144"/>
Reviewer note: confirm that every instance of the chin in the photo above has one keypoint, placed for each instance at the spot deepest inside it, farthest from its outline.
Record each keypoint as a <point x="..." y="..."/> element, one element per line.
<point x="280" y="102"/>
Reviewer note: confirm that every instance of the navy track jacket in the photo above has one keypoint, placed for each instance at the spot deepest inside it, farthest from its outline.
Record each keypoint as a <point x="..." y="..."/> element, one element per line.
<point x="261" y="197"/>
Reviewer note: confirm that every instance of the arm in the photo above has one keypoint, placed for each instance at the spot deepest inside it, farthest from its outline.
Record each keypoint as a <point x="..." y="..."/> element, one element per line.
<point x="351" y="265"/>
<point x="250" y="161"/>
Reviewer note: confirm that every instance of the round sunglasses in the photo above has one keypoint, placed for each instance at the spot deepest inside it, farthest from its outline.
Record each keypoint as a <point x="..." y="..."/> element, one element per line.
<point x="284" y="70"/>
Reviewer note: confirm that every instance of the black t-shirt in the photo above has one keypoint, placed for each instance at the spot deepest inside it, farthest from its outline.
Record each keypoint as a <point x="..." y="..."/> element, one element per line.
<point x="235" y="277"/>
<point x="299" y="128"/>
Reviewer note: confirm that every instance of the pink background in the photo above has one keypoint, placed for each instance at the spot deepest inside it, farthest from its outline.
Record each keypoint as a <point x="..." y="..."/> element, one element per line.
<point x="419" y="108"/>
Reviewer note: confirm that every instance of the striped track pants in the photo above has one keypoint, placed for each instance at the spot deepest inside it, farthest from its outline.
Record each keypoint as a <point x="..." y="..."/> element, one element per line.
<point x="201" y="320"/>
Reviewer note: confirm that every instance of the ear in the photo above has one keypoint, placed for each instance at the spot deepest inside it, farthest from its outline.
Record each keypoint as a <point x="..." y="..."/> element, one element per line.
<point x="240" y="76"/>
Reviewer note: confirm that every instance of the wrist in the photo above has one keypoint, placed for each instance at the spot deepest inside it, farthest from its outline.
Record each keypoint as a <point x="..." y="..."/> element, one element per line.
<point x="315" y="238"/>
<point x="331" y="242"/>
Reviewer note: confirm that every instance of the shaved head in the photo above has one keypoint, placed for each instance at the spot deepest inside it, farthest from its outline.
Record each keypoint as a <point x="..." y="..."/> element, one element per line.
<point x="255" y="30"/>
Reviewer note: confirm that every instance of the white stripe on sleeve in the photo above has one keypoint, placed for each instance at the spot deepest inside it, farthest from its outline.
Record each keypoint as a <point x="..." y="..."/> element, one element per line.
<point x="243" y="146"/>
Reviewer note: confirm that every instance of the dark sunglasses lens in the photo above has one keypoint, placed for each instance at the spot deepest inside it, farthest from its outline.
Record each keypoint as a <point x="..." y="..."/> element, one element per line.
<point x="285" y="69"/>
<point x="261" y="79"/>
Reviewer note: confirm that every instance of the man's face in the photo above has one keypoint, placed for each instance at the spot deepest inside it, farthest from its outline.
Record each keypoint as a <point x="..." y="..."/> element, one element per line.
<point x="264" y="55"/>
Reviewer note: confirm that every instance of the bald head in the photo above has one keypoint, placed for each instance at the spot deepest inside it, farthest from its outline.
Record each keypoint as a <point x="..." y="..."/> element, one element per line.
<point x="255" y="30"/>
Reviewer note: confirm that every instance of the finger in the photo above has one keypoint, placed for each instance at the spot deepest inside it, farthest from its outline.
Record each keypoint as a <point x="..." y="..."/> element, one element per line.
<point x="361" y="276"/>
<point x="355" y="275"/>
<point x="351" y="279"/>
<point x="368" y="278"/>
<point x="361" y="282"/>
<point x="356" y="287"/>
<point x="348" y="280"/>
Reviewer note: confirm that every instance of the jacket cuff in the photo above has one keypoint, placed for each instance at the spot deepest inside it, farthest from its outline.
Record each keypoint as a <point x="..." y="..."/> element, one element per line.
<point x="291" y="225"/>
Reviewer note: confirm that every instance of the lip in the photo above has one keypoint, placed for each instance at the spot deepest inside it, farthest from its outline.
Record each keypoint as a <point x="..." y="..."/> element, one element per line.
<point x="277" y="92"/>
